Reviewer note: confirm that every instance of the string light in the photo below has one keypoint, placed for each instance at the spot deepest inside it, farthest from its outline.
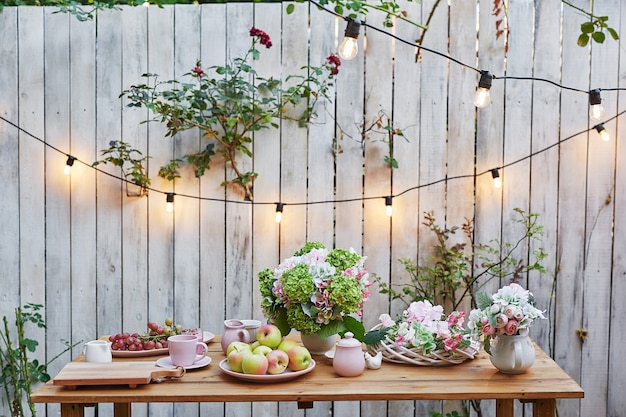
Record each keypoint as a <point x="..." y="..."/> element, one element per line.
<point x="68" y="164"/>
<point x="481" y="96"/>
<point x="279" y="212"/>
<point x="596" y="111"/>
<point x="497" y="181"/>
<point x="604" y="135"/>
<point x="169" y="202"/>
<point x="388" y="208"/>
<point x="484" y="83"/>
<point x="349" y="46"/>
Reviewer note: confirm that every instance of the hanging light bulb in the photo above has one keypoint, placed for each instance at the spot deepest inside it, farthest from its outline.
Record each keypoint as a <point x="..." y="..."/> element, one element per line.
<point x="604" y="135"/>
<point x="388" y="208"/>
<point x="497" y="181"/>
<point x="279" y="212"/>
<point x="169" y="202"/>
<point x="350" y="45"/>
<point x="481" y="96"/>
<point x="596" y="111"/>
<point x="68" y="164"/>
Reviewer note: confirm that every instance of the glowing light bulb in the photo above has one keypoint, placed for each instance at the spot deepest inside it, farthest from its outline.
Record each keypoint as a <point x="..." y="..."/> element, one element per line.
<point x="68" y="164"/>
<point x="497" y="181"/>
<point x="350" y="46"/>
<point x="481" y="96"/>
<point x="604" y="135"/>
<point x="169" y="202"/>
<point x="596" y="110"/>
<point x="388" y="207"/>
<point x="279" y="212"/>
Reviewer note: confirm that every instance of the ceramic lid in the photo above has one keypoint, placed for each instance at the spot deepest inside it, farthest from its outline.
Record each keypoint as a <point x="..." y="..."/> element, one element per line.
<point x="348" y="341"/>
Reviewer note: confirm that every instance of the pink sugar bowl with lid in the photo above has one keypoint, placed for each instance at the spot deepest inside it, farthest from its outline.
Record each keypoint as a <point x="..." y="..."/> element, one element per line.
<point x="349" y="359"/>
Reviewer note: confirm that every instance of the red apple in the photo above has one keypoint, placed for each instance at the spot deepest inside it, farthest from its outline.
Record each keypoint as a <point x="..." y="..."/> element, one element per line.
<point x="269" y="335"/>
<point x="236" y="358"/>
<point x="255" y="364"/>
<point x="277" y="362"/>
<point x="299" y="358"/>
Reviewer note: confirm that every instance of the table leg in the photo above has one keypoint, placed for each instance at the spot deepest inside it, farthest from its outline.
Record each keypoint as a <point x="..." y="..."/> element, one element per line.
<point x="504" y="408"/>
<point x="72" y="410"/>
<point x="121" y="409"/>
<point x="544" y="408"/>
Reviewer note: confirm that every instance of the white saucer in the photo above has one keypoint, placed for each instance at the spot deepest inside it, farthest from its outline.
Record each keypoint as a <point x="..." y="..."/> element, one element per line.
<point x="330" y="354"/>
<point x="166" y="362"/>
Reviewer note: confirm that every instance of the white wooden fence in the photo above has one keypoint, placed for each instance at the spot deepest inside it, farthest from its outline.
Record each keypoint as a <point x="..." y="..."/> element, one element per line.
<point x="102" y="262"/>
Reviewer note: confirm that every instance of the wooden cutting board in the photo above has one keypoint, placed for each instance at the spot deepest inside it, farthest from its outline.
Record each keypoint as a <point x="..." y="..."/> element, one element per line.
<point x="76" y="374"/>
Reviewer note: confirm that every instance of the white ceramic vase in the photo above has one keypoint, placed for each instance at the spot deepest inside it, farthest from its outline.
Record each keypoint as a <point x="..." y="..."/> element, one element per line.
<point x="512" y="354"/>
<point x="317" y="345"/>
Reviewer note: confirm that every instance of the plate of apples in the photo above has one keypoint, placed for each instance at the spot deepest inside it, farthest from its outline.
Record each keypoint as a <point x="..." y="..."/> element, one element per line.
<point x="271" y="358"/>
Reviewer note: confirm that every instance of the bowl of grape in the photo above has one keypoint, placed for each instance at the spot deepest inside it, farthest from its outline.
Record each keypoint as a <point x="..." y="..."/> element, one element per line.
<point x="150" y="343"/>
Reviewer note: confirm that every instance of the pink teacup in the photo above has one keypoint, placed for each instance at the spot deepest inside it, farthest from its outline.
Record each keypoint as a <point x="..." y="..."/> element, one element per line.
<point x="184" y="349"/>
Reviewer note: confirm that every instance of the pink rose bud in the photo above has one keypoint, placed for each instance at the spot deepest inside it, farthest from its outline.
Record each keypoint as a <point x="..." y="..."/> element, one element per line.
<point x="488" y="330"/>
<point x="511" y="327"/>
<point x="509" y="311"/>
<point x="501" y="321"/>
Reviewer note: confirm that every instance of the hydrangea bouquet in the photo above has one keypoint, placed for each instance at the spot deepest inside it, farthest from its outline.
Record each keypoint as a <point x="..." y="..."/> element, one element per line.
<point x="510" y="311"/>
<point x="423" y="327"/>
<point x="316" y="290"/>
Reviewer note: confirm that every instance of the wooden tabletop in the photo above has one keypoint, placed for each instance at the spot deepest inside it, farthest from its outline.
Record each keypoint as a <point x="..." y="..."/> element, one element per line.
<point x="474" y="379"/>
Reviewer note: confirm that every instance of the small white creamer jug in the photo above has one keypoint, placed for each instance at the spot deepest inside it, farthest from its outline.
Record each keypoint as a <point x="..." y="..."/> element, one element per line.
<point x="97" y="351"/>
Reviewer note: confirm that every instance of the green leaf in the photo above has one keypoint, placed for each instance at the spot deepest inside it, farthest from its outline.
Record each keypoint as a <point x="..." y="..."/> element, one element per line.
<point x="290" y="8"/>
<point x="355" y="326"/>
<point x="587" y="27"/>
<point x="483" y="300"/>
<point x="374" y="337"/>
<point x="613" y="33"/>
<point x="583" y="40"/>
<point x="598" y="37"/>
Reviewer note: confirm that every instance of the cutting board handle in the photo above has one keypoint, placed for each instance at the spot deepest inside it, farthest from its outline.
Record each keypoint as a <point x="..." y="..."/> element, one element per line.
<point x="159" y="376"/>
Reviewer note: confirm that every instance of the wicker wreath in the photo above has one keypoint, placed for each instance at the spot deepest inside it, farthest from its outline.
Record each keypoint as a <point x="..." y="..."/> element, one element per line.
<point x="399" y="354"/>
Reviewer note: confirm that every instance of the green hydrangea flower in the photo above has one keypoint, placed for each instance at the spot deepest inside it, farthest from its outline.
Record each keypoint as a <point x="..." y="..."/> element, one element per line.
<point x="297" y="319"/>
<point x="342" y="259"/>
<point x="266" y="282"/>
<point x="345" y="293"/>
<point x="297" y="284"/>
<point x="308" y="247"/>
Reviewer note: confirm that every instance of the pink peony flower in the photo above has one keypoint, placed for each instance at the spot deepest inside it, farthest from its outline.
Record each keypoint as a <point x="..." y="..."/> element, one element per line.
<point x="386" y="320"/>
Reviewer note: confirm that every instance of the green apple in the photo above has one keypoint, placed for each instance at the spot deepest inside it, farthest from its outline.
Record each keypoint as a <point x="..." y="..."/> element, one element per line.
<point x="269" y="335"/>
<point x="262" y="349"/>
<point x="255" y="364"/>
<point x="299" y="358"/>
<point x="287" y="344"/>
<point x="254" y="345"/>
<point x="277" y="362"/>
<point x="236" y="357"/>
<point x="237" y="345"/>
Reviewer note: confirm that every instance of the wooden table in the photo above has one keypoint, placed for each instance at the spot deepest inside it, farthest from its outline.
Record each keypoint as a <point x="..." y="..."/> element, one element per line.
<point x="476" y="379"/>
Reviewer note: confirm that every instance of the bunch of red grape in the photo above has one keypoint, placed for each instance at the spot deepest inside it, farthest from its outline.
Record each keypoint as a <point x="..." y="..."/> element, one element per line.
<point x="154" y="338"/>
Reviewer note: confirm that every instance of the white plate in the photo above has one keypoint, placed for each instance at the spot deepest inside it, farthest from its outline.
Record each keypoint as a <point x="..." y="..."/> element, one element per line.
<point x="330" y="354"/>
<point x="166" y="362"/>
<point x="285" y="376"/>
<point x="206" y="336"/>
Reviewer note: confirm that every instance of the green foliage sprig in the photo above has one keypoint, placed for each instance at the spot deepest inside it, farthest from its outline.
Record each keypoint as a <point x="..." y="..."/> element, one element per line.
<point x="18" y="370"/>
<point x="228" y="104"/>
<point x="131" y="161"/>
<point x="449" y="277"/>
